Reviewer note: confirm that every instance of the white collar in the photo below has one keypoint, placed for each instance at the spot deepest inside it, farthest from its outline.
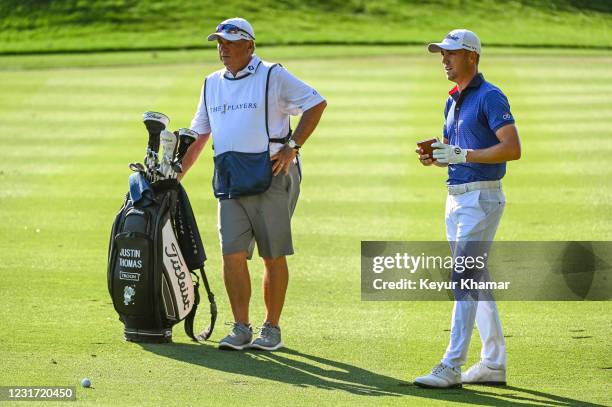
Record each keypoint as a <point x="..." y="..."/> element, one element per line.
<point x="247" y="70"/>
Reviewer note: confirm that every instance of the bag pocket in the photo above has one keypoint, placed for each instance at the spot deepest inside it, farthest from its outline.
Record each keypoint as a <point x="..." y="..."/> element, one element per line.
<point x="132" y="275"/>
<point x="241" y="174"/>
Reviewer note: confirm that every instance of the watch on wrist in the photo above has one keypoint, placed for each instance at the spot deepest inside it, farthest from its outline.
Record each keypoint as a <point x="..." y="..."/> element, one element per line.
<point x="292" y="144"/>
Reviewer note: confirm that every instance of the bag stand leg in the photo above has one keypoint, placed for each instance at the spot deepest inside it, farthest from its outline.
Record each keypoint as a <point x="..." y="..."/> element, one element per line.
<point x="213" y="311"/>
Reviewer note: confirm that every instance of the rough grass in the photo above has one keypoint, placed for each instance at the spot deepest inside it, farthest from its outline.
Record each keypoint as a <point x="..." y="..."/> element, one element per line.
<point x="35" y="26"/>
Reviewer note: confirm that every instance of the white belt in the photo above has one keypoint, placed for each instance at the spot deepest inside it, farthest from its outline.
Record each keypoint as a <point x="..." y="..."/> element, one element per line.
<point x="473" y="186"/>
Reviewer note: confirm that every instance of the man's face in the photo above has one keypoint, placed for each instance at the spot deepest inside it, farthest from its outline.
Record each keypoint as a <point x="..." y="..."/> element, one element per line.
<point x="235" y="55"/>
<point x="458" y="64"/>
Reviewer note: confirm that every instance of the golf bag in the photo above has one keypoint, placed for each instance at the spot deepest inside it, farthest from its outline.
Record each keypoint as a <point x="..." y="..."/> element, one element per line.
<point x="154" y="248"/>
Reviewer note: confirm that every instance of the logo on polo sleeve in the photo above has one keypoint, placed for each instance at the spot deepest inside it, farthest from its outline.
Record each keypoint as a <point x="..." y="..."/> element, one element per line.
<point x="507" y="116"/>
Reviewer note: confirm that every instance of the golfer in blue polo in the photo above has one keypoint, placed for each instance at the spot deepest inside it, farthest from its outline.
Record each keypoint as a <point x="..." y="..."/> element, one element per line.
<point x="479" y="138"/>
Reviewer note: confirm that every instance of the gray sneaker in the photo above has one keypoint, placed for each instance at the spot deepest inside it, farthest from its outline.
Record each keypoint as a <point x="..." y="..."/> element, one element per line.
<point x="269" y="338"/>
<point x="239" y="337"/>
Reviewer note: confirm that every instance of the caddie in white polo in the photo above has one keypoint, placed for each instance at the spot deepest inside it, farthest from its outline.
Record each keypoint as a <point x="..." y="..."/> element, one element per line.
<point x="246" y="107"/>
<point x="479" y="138"/>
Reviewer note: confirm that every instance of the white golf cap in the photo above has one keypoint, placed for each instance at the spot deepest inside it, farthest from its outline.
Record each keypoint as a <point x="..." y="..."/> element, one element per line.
<point x="234" y="29"/>
<point x="457" y="39"/>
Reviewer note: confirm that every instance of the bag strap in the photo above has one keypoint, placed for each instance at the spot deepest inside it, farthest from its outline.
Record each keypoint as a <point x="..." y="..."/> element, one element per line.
<point x="204" y="96"/>
<point x="205" y="334"/>
<point x="206" y="107"/>
<point x="266" y="103"/>
<point x="281" y="140"/>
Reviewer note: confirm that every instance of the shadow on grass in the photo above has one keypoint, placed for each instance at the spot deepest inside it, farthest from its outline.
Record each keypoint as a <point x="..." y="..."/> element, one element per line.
<point x="303" y="370"/>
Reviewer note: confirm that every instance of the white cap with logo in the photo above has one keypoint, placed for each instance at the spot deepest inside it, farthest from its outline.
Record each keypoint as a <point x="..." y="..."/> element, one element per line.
<point x="457" y="39"/>
<point x="234" y="29"/>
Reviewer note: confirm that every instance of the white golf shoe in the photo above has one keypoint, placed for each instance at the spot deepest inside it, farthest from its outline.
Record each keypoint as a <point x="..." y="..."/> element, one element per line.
<point x="441" y="377"/>
<point x="481" y="374"/>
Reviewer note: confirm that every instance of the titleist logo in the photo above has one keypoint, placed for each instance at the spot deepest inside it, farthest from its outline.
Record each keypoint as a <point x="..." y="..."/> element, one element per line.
<point x="177" y="265"/>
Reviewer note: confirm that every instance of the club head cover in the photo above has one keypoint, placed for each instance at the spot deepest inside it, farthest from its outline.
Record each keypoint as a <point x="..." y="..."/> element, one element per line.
<point x="186" y="138"/>
<point x="155" y="122"/>
<point x="169" y="141"/>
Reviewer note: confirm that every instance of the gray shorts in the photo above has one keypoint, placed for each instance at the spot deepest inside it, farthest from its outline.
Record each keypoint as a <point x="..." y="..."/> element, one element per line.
<point x="264" y="218"/>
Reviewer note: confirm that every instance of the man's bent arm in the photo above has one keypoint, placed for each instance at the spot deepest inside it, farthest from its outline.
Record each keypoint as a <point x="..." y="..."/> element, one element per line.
<point x="308" y="122"/>
<point x="193" y="153"/>
<point x="508" y="149"/>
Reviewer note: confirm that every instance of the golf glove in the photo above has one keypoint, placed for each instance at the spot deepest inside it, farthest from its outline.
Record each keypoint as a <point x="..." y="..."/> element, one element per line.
<point x="449" y="154"/>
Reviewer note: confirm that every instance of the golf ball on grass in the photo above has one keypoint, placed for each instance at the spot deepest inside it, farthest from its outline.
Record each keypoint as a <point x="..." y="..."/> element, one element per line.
<point x="86" y="382"/>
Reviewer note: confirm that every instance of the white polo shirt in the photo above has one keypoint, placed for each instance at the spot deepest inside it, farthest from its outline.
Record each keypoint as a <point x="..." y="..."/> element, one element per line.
<point x="232" y="108"/>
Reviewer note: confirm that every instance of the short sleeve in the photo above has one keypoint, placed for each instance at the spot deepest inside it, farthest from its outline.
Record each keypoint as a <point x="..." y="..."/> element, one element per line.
<point x="497" y="110"/>
<point x="200" y="123"/>
<point x="293" y="96"/>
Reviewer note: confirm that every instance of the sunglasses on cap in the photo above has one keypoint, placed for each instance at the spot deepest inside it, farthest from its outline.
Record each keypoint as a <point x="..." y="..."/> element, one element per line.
<point x="232" y="29"/>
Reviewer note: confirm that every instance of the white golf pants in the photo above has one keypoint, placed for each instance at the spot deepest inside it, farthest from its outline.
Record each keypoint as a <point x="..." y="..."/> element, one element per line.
<point x="474" y="216"/>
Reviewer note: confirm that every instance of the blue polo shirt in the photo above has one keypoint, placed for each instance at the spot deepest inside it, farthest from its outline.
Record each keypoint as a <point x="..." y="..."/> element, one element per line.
<point x="471" y="119"/>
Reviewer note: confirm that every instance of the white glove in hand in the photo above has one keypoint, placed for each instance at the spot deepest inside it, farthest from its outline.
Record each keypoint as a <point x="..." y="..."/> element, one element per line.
<point x="449" y="154"/>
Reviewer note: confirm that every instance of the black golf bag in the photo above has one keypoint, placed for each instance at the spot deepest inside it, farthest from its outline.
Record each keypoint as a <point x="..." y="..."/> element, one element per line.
<point x="154" y="248"/>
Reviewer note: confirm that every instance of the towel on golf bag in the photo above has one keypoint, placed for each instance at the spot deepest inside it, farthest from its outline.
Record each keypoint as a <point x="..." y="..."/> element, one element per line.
<point x="149" y="279"/>
<point x="139" y="187"/>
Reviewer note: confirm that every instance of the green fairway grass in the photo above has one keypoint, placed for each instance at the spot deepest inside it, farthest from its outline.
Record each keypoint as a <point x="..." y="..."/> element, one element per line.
<point x="86" y="25"/>
<point x="70" y="129"/>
